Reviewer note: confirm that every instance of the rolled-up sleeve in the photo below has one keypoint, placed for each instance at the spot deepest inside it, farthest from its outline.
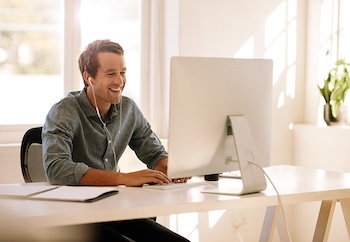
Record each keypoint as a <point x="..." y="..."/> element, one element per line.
<point x="57" y="148"/>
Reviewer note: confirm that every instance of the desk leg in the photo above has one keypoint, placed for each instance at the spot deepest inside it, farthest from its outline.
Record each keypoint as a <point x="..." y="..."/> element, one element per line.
<point x="273" y="218"/>
<point x="345" y="205"/>
<point x="324" y="221"/>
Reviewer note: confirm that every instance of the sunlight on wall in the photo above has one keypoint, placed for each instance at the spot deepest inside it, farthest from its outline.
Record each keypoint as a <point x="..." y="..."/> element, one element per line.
<point x="274" y="25"/>
<point x="291" y="43"/>
<point x="290" y="81"/>
<point x="247" y="49"/>
<point x="277" y="53"/>
<point x="275" y="41"/>
<point x="280" y="43"/>
<point x="280" y="102"/>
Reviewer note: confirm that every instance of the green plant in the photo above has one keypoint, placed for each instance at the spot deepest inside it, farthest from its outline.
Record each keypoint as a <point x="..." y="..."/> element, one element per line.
<point x="336" y="86"/>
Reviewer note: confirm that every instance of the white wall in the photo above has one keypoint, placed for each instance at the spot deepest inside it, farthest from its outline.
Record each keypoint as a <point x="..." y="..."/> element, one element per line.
<point x="259" y="29"/>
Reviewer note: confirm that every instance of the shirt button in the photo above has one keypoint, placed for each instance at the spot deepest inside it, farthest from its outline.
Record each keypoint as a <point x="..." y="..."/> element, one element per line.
<point x="106" y="159"/>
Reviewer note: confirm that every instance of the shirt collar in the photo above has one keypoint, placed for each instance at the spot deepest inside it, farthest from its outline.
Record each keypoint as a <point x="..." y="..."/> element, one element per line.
<point x="86" y="106"/>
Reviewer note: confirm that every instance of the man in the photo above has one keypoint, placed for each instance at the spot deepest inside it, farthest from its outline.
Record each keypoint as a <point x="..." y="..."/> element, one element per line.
<point x="86" y="133"/>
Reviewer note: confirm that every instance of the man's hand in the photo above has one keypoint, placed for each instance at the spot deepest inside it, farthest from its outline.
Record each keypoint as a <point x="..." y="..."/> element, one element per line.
<point x="138" y="178"/>
<point x="162" y="165"/>
<point x="181" y="180"/>
<point x="95" y="177"/>
<point x="133" y="179"/>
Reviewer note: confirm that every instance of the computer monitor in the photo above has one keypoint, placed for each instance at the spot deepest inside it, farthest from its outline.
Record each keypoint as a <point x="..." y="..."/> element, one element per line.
<point x="220" y="118"/>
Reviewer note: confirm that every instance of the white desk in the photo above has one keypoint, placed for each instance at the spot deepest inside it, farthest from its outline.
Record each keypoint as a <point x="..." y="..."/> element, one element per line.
<point x="295" y="185"/>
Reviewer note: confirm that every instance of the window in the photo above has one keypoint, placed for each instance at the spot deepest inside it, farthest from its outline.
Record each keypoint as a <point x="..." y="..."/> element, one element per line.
<point x="334" y="32"/>
<point x="30" y="59"/>
<point x="39" y="45"/>
<point x="334" y="38"/>
<point x="344" y="29"/>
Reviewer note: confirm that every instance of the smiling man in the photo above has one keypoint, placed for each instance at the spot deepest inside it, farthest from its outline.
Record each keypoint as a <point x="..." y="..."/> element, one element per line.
<point x="86" y="133"/>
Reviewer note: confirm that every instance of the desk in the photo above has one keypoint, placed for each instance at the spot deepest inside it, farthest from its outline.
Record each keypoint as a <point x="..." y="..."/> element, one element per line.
<point x="295" y="185"/>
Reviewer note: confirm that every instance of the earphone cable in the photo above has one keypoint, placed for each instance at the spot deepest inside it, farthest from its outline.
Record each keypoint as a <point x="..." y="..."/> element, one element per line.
<point x="108" y="134"/>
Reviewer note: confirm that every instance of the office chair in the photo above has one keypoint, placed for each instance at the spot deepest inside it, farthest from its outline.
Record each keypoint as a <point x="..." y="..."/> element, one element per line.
<point x="31" y="156"/>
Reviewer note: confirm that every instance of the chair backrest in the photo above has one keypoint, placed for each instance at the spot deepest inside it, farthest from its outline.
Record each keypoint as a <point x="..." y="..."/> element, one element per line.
<point x="31" y="156"/>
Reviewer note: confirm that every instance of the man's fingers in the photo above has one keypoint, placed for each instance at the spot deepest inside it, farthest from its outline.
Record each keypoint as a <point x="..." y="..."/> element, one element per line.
<point x="181" y="180"/>
<point x="158" y="176"/>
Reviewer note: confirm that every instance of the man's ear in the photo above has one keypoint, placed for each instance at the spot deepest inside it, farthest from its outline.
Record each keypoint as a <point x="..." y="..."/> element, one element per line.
<point x="86" y="77"/>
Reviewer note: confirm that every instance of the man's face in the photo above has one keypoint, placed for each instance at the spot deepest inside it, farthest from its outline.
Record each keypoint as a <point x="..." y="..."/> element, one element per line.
<point x="110" y="78"/>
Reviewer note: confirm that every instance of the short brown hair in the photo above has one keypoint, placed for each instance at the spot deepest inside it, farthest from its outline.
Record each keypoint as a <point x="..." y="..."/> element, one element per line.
<point x="88" y="58"/>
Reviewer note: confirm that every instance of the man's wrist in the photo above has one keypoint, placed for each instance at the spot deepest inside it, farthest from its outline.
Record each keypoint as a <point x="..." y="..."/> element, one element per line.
<point x="162" y="165"/>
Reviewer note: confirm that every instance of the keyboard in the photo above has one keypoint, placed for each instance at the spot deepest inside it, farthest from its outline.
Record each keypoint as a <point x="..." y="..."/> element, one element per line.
<point x="172" y="185"/>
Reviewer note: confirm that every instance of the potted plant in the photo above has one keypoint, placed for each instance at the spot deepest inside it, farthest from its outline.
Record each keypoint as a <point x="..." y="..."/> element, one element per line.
<point x="334" y="92"/>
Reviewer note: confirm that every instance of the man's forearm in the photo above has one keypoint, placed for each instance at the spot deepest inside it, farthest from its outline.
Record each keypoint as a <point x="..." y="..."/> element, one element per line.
<point x="95" y="177"/>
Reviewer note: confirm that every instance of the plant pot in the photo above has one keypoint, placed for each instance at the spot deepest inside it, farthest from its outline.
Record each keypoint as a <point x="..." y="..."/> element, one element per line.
<point x="341" y="119"/>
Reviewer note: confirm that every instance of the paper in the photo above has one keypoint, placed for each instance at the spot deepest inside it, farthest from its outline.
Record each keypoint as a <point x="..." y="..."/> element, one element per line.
<point x="23" y="190"/>
<point x="59" y="193"/>
<point x="76" y="193"/>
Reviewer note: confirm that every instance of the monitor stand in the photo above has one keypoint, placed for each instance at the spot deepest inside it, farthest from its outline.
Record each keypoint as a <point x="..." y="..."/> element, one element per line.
<point x="252" y="177"/>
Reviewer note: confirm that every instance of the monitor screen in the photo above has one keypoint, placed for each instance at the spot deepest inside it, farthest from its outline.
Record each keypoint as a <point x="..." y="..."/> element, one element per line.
<point x="204" y="92"/>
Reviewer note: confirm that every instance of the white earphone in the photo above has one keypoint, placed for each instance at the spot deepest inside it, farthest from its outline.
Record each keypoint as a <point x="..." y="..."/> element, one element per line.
<point x="108" y="134"/>
<point x="89" y="80"/>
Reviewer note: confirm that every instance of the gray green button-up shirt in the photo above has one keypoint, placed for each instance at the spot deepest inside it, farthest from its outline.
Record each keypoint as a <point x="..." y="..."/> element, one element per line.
<point x="74" y="139"/>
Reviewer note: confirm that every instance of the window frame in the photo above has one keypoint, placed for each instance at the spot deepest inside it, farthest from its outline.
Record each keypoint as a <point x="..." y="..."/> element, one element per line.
<point x="13" y="133"/>
<point x="168" y="11"/>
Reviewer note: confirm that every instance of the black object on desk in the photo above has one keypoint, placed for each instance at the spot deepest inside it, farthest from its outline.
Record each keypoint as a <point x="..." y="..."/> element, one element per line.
<point x="211" y="177"/>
